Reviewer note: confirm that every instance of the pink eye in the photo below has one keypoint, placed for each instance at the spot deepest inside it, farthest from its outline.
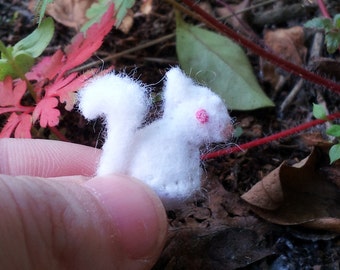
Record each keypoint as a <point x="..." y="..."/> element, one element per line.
<point x="202" y="116"/>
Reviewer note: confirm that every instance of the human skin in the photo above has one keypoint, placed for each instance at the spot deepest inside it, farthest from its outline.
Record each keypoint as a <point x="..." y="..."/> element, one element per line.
<point x="55" y="215"/>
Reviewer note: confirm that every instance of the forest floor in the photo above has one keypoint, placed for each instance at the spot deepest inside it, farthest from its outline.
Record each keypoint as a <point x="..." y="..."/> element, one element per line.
<point x="219" y="230"/>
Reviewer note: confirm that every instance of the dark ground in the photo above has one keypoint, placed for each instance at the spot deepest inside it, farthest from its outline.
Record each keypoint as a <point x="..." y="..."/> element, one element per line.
<point x="218" y="230"/>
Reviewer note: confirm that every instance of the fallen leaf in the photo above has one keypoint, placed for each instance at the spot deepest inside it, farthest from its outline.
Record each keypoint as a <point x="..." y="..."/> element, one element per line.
<point x="146" y="7"/>
<point x="286" y="43"/>
<point x="300" y="194"/>
<point x="121" y="7"/>
<point x="226" y="248"/>
<point x="326" y="66"/>
<point x="70" y="13"/>
<point x="127" y="22"/>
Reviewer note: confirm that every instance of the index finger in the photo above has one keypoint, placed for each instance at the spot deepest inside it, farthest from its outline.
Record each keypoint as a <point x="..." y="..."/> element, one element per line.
<point x="47" y="158"/>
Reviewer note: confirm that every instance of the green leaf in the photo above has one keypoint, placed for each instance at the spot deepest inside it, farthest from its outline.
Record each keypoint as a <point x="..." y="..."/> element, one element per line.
<point x="95" y="13"/>
<point x="319" y="112"/>
<point x="23" y="62"/>
<point x="217" y="62"/>
<point x="6" y="52"/>
<point x="334" y="130"/>
<point x="17" y="60"/>
<point x="332" y="40"/>
<point x="334" y="153"/>
<point x="319" y="23"/>
<point x="336" y="21"/>
<point x="36" y="42"/>
<point x="238" y="131"/>
<point x="6" y="70"/>
<point x="41" y="8"/>
<point x="121" y="7"/>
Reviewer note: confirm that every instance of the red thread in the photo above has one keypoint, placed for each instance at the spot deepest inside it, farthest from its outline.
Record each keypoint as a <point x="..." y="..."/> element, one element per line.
<point x="268" y="139"/>
<point x="202" y="116"/>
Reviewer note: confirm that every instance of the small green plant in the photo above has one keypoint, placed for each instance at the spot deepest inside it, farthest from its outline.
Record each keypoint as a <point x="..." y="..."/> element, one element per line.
<point x="18" y="59"/>
<point x="331" y="28"/>
<point x="319" y="112"/>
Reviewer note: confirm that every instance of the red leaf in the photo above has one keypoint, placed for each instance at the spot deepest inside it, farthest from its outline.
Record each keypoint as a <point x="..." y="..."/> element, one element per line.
<point x="21" y="124"/>
<point x="64" y="88"/>
<point x="11" y="124"/>
<point x="83" y="47"/>
<point x="53" y="89"/>
<point x="9" y="95"/>
<point x="47" y="112"/>
<point x="66" y="94"/>
<point x="23" y="129"/>
<point x="47" y="68"/>
<point x="50" y="83"/>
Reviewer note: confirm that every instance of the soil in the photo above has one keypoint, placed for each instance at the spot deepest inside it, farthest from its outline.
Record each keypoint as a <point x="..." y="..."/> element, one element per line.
<point x="218" y="230"/>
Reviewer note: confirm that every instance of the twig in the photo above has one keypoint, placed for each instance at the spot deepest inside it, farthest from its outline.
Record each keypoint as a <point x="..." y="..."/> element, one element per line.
<point x="58" y="134"/>
<point x="315" y="53"/>
<point x="268" y="139"/>
<point x="123" y="53"/>
<point x="291" y="95"/>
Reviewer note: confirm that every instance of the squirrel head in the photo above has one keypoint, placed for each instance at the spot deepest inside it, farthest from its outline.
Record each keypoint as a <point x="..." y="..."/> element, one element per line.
<point x="195" y="111"/>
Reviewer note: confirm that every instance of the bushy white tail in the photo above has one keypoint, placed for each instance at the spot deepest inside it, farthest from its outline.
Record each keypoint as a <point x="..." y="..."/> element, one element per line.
<point x="123" y="103"/>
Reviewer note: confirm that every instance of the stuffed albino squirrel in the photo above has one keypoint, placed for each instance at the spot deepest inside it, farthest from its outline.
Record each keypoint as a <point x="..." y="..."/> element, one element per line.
<point x="164" y="154"/>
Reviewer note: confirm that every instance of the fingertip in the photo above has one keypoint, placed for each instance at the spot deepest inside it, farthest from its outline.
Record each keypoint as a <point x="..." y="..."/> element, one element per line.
<point x="136" y="212"/>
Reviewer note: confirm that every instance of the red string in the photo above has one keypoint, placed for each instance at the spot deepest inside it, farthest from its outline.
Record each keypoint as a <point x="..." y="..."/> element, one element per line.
<point x="270" y="138"/>
<point x="323" y="9"/>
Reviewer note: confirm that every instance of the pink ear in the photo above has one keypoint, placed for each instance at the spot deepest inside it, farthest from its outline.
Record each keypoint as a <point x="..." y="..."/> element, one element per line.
<point x="202" y="116"/>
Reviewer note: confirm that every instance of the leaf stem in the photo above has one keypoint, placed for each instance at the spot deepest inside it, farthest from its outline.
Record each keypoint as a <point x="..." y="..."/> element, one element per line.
<point x="268" y="139"/>
<point x="288" y="66"/>
<point x="58" y="134"/>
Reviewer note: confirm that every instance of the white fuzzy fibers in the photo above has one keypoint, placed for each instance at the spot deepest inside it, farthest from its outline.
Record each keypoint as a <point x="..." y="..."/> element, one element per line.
<point x="165" y="154"/>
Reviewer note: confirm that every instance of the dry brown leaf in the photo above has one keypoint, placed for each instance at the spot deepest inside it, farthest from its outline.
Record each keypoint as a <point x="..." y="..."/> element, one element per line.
<point x="226" y="248"/>
<point x="301" y="194"/>
<point x="127" y="22"/>
<point x="327" y="67"/>
<point x="146" y="7"/>
<point x="70" y="13"/>
<point x="286" y="43"/>
<point x="219" y="233"/>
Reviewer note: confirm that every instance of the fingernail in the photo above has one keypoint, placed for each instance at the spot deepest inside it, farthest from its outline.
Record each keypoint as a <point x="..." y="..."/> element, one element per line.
<point x="137" y="214"/>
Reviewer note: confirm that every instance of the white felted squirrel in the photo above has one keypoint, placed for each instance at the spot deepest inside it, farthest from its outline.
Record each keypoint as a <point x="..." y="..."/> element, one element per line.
<point x="164" y="154"/>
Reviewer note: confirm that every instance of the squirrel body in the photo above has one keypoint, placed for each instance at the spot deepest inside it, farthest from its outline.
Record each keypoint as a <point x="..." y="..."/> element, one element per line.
<point x="166" y="153"/>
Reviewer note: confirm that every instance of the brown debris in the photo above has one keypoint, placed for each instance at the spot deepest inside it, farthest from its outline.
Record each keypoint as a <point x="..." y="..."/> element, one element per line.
<point x="69" y="13"/>
<point x="286" y="43"/>
<point x="299" y="194"/>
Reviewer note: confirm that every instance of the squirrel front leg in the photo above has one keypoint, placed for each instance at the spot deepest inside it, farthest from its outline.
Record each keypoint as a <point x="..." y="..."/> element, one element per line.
<point x="123" y="104"/>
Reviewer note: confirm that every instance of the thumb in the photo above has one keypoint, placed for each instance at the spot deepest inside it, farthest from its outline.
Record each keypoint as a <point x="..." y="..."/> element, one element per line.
<point x="111" y="222"/>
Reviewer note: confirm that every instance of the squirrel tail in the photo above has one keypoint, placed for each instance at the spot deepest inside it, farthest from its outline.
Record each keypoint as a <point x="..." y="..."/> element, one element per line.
<point x="123" y="104"/>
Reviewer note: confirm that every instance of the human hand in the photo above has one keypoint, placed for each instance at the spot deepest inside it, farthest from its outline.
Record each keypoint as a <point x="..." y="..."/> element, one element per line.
<point x="53" y="218"/>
